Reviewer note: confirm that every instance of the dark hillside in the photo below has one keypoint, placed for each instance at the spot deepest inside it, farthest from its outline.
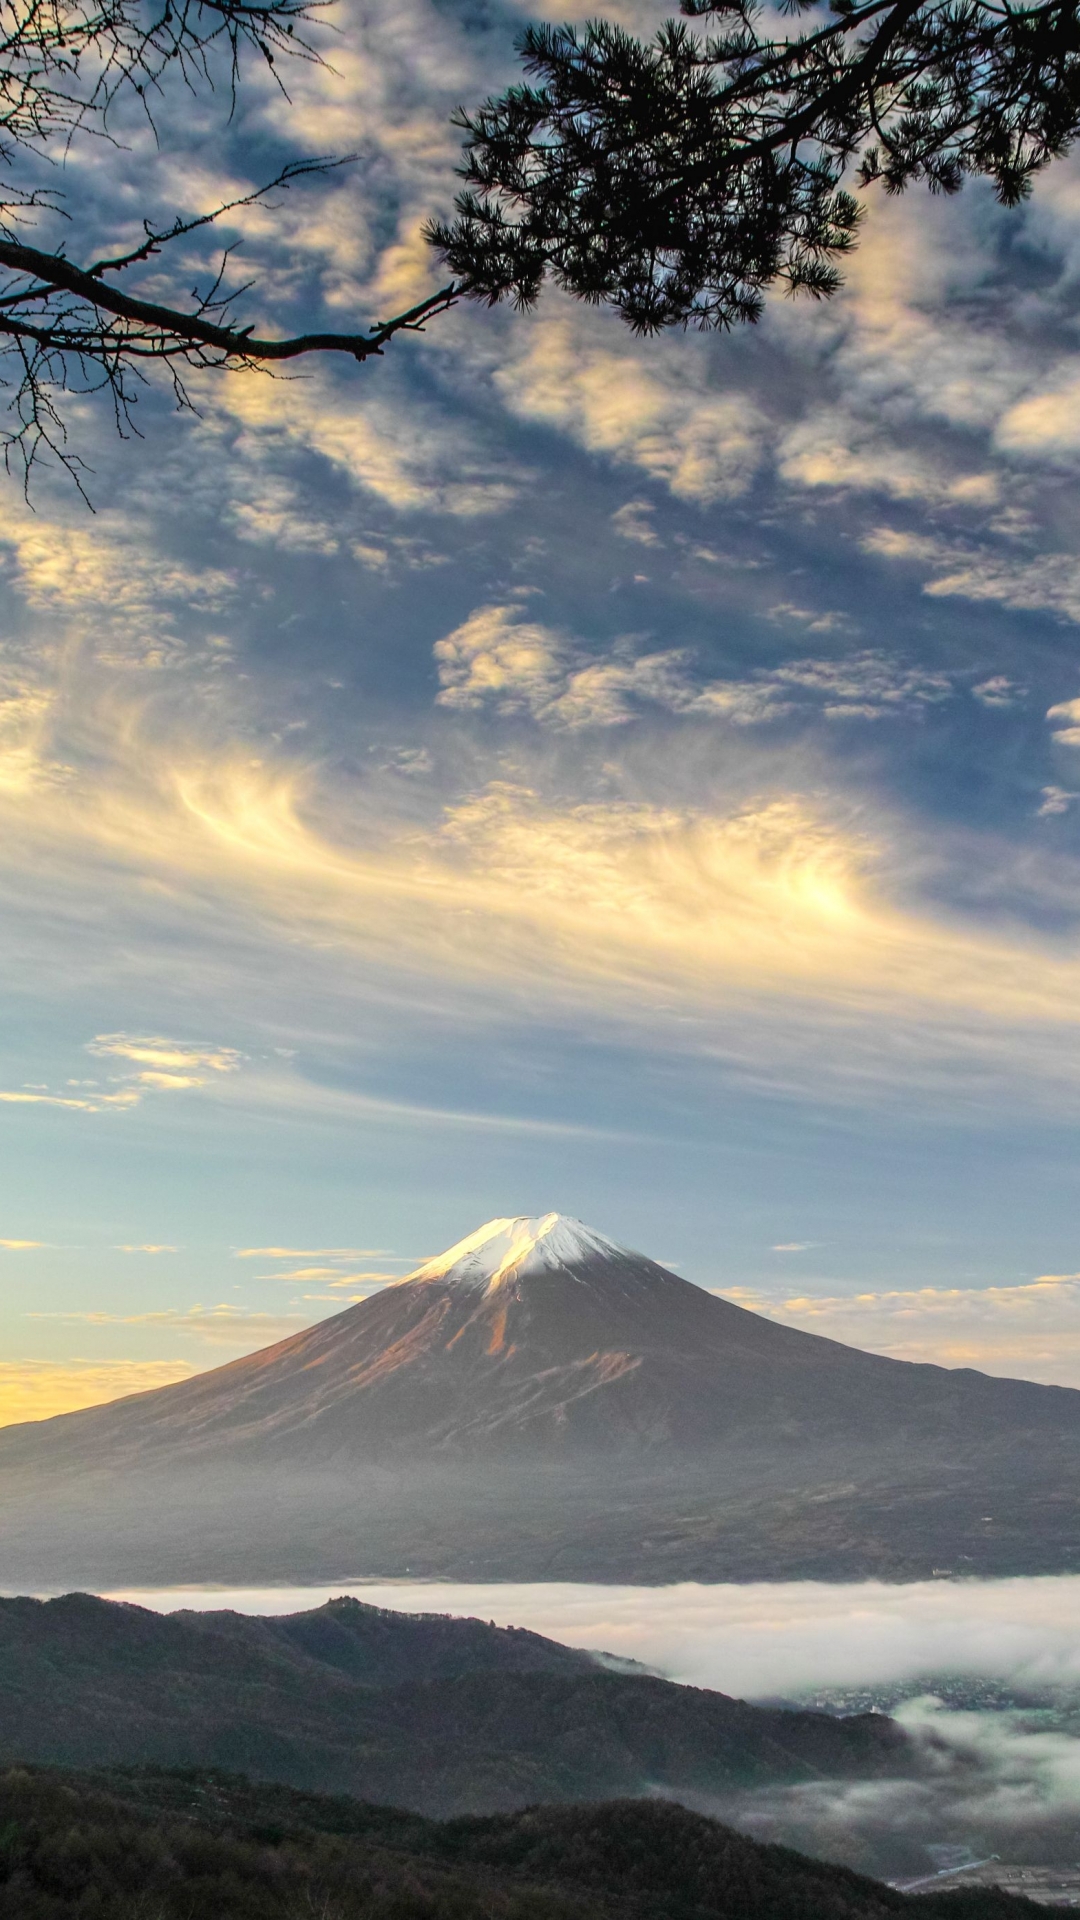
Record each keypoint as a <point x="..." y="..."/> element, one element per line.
<point x="492" y="1719"/>
<point x="383" y="1649"/>
<point x="125" y="1847"/>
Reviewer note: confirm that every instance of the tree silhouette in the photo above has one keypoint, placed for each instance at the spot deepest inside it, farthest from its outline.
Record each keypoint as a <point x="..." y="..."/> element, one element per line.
<point x="678" y="180"/>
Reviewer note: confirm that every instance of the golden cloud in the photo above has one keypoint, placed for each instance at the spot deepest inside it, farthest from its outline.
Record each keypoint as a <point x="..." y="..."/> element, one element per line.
<point x="688" y="920"/>
<point x="311" y="1253"/>
<point x="156" y="1061"/>
<point x="17" y="1097"/>
<point x="372" y="1280"/>
<point x="25" y="712"/>
<point x="1046" y="424"/>
<point x="405" y="454"/>
<point x="39" y="1389"/>
<point x="166" y="1058"/>
<point x="613" y="902"/>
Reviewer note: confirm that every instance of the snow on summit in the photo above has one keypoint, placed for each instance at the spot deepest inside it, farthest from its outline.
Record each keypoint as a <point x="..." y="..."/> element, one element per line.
<point x="503" y="1250"/>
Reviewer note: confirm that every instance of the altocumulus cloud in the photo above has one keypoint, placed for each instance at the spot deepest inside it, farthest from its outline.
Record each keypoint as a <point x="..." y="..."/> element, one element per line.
<point x="500" y="658"/>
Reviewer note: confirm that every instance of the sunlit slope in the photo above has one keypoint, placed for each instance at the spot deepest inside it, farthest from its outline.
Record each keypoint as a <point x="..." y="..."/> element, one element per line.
<point x="538" y="1338"/>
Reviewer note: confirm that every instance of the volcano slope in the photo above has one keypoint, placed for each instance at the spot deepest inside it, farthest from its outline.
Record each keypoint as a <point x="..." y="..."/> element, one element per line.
<point x="539" y="1402"/>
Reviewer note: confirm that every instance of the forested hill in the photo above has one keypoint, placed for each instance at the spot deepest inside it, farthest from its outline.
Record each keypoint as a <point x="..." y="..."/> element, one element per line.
<point x="172" y="1846"/>
<point x="488" y="1718"/>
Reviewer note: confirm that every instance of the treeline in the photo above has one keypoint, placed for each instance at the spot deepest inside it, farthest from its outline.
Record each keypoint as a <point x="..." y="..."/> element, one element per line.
<point x="150" y="1845"/>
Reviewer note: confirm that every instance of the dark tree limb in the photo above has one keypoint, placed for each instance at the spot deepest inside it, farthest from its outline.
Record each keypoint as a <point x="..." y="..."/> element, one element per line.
<point x="181" y="331"/>
<point x="66" y="328"/>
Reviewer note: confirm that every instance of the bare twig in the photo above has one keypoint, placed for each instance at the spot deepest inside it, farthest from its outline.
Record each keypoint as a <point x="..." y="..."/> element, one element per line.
<point x="68" y="328"/>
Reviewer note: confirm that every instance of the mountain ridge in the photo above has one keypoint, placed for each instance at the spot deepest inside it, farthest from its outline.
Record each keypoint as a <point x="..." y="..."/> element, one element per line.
<point x="425" y="1711"/>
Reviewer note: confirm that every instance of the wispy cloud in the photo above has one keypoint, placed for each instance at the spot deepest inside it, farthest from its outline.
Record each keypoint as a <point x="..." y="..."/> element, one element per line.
<point x="311" y="1253"/>
<point x="999" y="692"/>
<point x="634" y="522"/>
<point x="369" y="1281"/>
<point x="409" y="455"/>
<point x="161" y="1061"/>
<point x="1055" y="800"/>
<point x="21" y="1097"/>
<point x="302" y="1273"/>
<point x="160" y="1066"/>
<point x="1029" y="1331"/>
<point x="1049" y="581"/>
<point x="704" y="911"/>
<point x="217" y="1326"/>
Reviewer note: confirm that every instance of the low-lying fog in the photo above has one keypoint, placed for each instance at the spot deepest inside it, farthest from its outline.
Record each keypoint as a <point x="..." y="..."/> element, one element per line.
<point x="984" y="1674"/>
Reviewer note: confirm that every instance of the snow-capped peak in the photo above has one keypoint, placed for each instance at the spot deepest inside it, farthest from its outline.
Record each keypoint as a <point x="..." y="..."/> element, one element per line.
<point x="503" y="1249"/>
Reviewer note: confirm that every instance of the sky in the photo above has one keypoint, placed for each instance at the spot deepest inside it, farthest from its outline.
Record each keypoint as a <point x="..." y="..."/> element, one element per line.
<point x="542" y="770"/>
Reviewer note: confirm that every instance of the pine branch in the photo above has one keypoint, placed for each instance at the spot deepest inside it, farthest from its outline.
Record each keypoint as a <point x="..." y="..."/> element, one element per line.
<point x="679" y="180"/>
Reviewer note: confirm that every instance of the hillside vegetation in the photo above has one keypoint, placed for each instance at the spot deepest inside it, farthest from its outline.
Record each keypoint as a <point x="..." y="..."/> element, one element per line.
<point x="156" y="1846"/>
<point x="488" y="1718"/>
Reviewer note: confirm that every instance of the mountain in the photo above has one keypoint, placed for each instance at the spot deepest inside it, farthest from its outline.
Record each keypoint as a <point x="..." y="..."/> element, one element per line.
<point x="444" y="1716"/>
<point x="72" y="1845"/>
<point x="540" y="1400"/>
<point x="539" y="1336"/>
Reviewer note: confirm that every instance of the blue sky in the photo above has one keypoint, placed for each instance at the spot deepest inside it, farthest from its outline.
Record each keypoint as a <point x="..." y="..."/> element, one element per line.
<point x="545" y="770"/>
